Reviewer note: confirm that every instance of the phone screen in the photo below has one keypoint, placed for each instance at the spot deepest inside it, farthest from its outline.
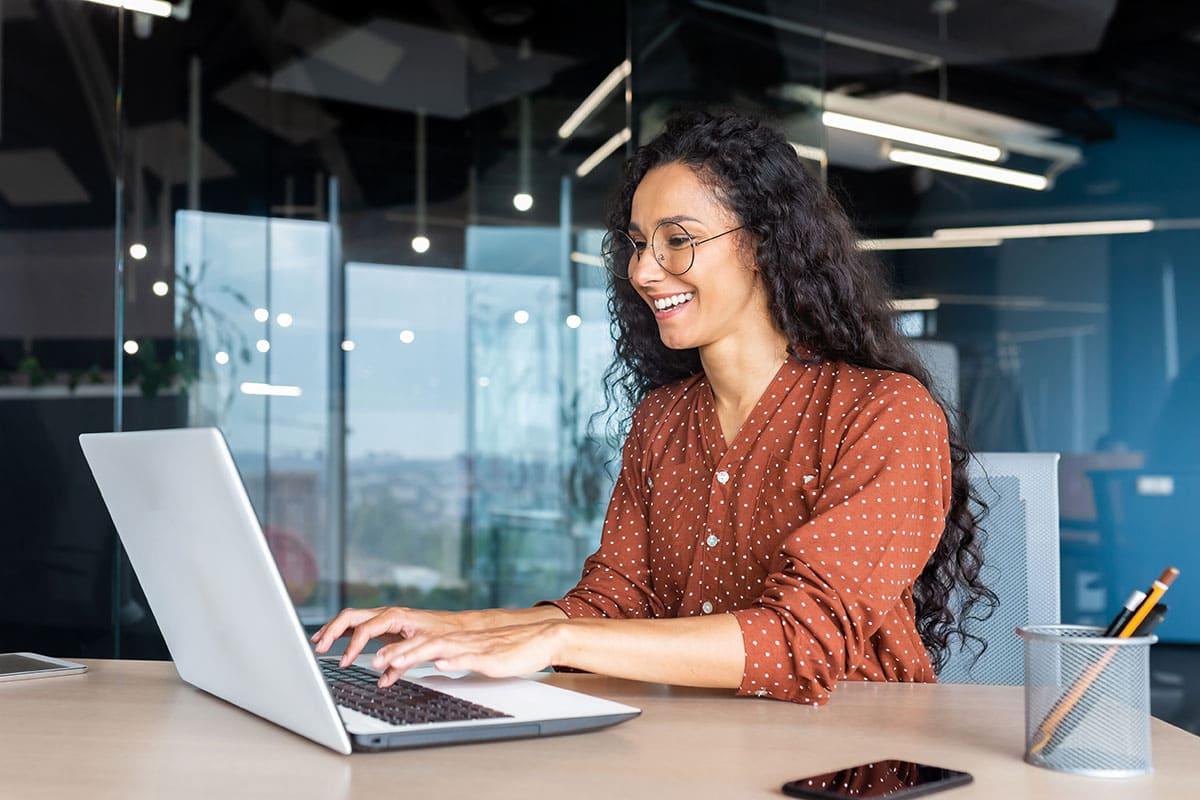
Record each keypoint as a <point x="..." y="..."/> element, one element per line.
<point x="11" y="663"/>
<point x="893" y="779"/>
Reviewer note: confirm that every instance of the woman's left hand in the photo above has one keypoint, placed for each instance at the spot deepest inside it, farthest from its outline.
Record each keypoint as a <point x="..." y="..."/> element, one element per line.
<point x="496" y="652"/>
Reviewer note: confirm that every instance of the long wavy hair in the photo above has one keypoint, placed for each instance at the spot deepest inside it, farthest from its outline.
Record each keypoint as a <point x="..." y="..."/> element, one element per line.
<point x="828" y="298"/>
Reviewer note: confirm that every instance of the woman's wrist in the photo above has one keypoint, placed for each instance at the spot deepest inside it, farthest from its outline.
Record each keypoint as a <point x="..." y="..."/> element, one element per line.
<point x="564" y="636"/>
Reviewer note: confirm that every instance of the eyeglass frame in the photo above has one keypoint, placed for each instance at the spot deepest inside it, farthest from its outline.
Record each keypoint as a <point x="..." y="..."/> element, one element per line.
<point x="638" y="257"/>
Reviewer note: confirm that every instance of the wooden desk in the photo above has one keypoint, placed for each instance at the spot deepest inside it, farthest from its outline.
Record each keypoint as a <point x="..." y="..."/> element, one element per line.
<point x="130" y="729"/>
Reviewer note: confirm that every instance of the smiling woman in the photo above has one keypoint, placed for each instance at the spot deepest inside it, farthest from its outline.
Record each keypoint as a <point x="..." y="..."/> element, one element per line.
<point x="792" y="508"/>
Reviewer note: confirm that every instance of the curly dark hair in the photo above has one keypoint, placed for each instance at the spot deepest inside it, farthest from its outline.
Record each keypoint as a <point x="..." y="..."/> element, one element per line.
<point x="828" y="298"/>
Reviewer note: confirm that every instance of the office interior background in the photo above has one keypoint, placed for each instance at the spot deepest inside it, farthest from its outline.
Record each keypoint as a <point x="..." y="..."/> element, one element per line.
<point x="363" y="241"/>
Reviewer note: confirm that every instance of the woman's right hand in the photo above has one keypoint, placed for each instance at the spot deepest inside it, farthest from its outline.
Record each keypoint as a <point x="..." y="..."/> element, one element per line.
<point x="388" y="624"/>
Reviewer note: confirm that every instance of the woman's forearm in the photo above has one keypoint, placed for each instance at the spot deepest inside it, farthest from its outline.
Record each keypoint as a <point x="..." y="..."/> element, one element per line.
<point x="500" y="617"/>
<point x="688" y="651"/>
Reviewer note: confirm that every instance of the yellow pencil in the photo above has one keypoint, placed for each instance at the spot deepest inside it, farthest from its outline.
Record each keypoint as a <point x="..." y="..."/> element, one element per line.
<point x="1156" y="591"/>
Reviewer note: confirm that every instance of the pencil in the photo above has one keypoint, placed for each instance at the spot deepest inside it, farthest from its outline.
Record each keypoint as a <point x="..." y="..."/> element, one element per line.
<point x="1160" y="587"/>
<point x="1060" y="710"/>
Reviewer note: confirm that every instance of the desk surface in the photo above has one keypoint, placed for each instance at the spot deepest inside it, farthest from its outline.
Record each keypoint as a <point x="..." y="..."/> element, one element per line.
<point x="132" y="729"/>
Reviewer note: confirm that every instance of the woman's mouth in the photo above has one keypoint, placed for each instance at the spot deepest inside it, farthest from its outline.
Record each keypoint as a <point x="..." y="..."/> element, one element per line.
<point x="671" y="305"/>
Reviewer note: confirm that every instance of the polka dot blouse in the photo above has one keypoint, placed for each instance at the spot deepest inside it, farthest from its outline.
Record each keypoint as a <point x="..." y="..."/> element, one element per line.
<point x="810" y="527"/>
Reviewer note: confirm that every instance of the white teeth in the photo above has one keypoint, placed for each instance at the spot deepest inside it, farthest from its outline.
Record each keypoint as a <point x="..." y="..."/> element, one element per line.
<point x="674" y="300"/>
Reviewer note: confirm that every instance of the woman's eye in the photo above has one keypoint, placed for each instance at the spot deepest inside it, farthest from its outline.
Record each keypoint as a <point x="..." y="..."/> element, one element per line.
<point x="640" y="247"/>
<point x="676" y="242"/>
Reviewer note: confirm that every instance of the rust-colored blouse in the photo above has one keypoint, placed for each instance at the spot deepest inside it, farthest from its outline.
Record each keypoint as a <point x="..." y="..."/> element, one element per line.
<point x="810" y="527"/>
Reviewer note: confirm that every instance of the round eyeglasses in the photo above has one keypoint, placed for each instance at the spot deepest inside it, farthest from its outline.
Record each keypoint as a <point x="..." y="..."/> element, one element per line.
<point x="674" y="249"/>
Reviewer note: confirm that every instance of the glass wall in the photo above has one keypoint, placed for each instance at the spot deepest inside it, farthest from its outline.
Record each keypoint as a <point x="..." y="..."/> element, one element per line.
<point x="343" y="237"/>
<point x="363" y="242"/>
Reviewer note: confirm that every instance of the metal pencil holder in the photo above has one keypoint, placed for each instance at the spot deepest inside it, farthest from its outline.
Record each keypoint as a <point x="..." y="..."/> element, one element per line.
<point x="1087" y="701"/>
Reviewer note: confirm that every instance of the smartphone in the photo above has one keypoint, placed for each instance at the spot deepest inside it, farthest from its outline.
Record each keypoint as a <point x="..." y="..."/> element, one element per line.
<point x="893" y="779"/>
<point x="21" y="666"/>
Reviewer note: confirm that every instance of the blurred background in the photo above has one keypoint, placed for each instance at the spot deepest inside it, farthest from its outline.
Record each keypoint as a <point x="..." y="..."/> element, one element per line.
<point x="362" y="239"/>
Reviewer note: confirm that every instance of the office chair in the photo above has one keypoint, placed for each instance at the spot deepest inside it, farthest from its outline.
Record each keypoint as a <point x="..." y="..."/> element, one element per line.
<point x="1020" y="563"/>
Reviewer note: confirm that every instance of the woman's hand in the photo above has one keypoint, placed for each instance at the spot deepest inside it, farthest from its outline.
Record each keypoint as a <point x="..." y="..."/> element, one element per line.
<point x="496" y="652"/>
<point x="389" y="624"/>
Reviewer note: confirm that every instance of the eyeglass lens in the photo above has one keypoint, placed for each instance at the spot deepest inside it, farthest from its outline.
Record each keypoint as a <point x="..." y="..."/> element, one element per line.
<point x="671" y="246"/>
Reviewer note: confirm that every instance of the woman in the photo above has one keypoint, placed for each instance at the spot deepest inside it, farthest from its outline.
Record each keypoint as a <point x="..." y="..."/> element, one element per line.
<point x="792" y="509"/>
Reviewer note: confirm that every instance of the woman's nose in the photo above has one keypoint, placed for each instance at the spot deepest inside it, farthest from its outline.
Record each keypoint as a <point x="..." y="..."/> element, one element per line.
<point x="651" y="273"/>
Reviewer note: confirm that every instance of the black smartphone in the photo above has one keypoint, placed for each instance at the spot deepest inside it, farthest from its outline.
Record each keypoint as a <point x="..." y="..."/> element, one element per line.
<point x="893" y="779"/>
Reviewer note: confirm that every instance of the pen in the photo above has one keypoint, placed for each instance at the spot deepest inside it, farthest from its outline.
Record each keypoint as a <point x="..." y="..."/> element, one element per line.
<point x="1126" y="613"/>
<point x="1081" y="709"/>
<point x="1045" y="731"/>
<point x="1152" y="621"/>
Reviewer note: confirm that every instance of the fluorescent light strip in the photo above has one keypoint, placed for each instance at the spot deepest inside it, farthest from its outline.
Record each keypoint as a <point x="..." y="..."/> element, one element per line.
<point x="593" y="100"/>
<point x="808" y="151"/>
<point x="901" y="133"/>
<point x="586" y="258"/>
<point x="270" y="390"/>
<point x="603" y="152"/>
<point x="924" y="243"/>
<point x="1012" y="177"/>
<point x="1093" y="228"/>
<point x="159" y="8"/>
<point x="916" y="304"/>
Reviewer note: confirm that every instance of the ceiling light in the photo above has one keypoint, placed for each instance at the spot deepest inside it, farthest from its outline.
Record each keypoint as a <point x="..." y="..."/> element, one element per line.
<point x="283" y="319"/>
<point x="347" y="345"/>
<point x="263" y="345"/>
<point x="407" y="336"/>
<point x="270" y="389"/>
<point x="916" y="304"/>
<point x="261" y="314"/>
<point x="520" y="316"/>
<point x="420" y="243"/>
<point x="160" y="288"/>
<point x="131" y="347"/>
<point x="1012" y="177"/>
<point x="593" y="100"/>
<point x="809" y="152"/>
<point x="221" y="357"/>
<point x="159" y="8"/>
<point x="1093" y="228"/>
<point x="923" y="243"/>
<point x="137" y="251"/>
<point x="574" y="320"/>
<point x="484" y="381"/>
<point x="603" y="152"/>
<point x="902" y="133"/>
<point x="522" y="201"/>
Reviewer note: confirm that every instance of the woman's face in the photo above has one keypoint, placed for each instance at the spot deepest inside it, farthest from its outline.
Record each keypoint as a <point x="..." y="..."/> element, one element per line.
<point x="723" y="286"/>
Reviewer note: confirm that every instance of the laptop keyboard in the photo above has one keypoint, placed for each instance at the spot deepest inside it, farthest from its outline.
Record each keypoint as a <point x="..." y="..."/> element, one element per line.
<point x="402" y="703"/>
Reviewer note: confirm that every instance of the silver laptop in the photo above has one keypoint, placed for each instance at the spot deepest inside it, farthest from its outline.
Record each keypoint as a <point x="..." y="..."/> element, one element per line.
<point x="183" y="515"/>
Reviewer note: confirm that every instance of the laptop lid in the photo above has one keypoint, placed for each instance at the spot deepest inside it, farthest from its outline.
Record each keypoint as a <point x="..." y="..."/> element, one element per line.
<point x="182" y="513"/>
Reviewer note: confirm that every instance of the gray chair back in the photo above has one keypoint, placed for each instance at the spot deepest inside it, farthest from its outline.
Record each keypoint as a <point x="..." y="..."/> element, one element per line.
<point x="1020" y="563"/>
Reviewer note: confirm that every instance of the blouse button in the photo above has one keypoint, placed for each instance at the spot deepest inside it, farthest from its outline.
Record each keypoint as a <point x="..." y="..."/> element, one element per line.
<point x="707" y="607"/>
<point x="723" y="477"/>
<point x="712" y="540"/>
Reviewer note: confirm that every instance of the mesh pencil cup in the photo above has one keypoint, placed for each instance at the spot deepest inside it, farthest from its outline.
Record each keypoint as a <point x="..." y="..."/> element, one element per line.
<point x="1087" y="701"/>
